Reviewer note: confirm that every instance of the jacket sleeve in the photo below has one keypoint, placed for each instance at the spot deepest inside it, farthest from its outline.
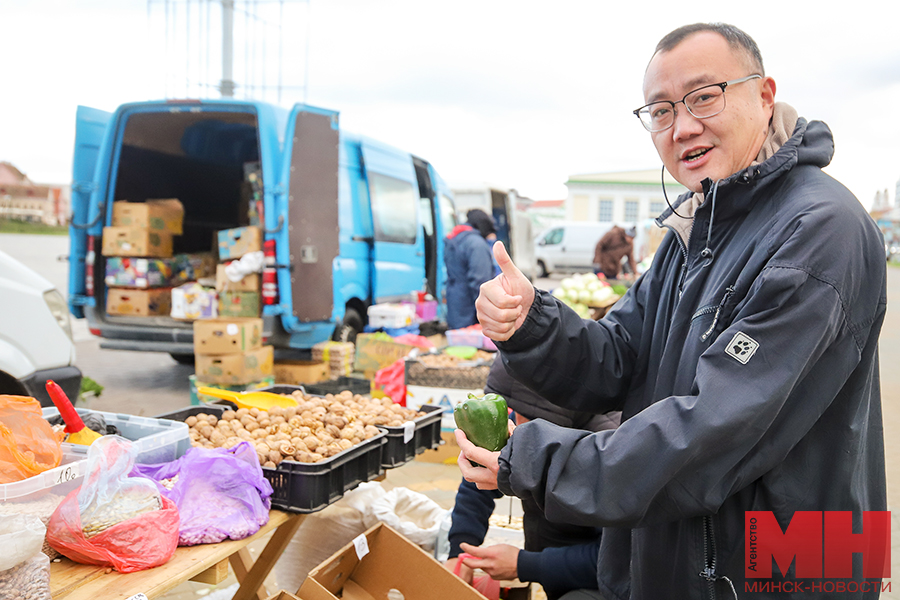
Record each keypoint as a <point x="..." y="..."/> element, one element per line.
<point x="560" y="570"/>
<point x="578" y="364"/>
<point x="694" y="451"/>
<point x="481" y="264"/>
<point x="470" y="516"/>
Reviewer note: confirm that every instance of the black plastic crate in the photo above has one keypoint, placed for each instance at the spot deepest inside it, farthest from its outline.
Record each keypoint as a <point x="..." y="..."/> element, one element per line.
<point x="336" y="386"/>
<point x="426" y="436"/>
<point x="309" y="487"/>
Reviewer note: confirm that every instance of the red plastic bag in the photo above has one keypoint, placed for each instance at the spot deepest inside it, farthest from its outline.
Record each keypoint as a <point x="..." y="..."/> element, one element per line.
<point x="483" y="584"/>
<point x="391" y="379"/>
<point x="80" y="527"/>
<point x="28" y="445"/>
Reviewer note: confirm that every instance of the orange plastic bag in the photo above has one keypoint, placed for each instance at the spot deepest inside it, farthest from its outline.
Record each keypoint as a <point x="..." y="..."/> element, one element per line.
<point x="28" y="445"/>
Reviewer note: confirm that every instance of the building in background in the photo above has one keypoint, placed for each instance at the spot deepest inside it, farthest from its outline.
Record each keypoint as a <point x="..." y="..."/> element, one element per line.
<point x="619" y="197"/>
<point x="887" y="216"/>
<point x="23" y="200"/>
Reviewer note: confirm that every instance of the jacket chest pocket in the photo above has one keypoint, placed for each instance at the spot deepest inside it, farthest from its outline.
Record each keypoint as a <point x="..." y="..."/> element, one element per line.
<point x="711" y="319"/>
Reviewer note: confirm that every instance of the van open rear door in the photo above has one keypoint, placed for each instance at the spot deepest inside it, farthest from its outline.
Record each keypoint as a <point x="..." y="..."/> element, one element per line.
<point x="310" y="175"/>
<point x="399" y="242"/>
<point x="90" y="129"/>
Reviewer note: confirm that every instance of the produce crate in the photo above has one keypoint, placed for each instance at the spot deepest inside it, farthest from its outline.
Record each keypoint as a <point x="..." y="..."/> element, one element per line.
<point x="309" y="487"/>
<point x="461" y="377"/>
<point x="415" y="437"/>
<point x="469" y="337"/>
<point x="157" y="440"/>
<point x="336" y="386"/>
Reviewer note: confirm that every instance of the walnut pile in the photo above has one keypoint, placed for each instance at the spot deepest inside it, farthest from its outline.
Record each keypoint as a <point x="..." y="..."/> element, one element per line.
<point x="318" y="428"/>
<point x="448" y="360"/>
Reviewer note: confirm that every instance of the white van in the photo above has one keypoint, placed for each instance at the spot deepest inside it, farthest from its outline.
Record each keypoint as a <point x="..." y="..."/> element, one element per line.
<point x="568" y="247"/>
<point x="35" y="335"/>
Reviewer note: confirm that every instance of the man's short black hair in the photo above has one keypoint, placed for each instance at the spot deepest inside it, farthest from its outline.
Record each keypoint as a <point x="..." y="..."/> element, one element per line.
<point x="736" y="38"/>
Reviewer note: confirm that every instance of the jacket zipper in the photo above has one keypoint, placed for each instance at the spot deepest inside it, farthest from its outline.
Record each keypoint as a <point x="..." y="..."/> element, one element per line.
<point x="728" y="292"/>
<point x="709" y="559"/>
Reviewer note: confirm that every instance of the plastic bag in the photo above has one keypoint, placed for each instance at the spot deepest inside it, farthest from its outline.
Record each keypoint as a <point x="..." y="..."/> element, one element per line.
<point x="28" y="445"/>
<point x="415" y="516"/>
<point x="220" y="493"/>
<point x="24" y="569"/>
<point x="391" y="379"/>
<point x="113" y="519"/>
<point x="29" y="580"/>
<point x="484" y="584"/>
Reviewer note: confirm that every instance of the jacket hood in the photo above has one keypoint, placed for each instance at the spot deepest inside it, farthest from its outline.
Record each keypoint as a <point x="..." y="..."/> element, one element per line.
<point x="458" y="230"/>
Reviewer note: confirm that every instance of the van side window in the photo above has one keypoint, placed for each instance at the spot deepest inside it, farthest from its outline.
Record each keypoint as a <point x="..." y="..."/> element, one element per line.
<point x="394" y="209"/>
<point x="448" y="215"/>
<point x="554" y="236"/>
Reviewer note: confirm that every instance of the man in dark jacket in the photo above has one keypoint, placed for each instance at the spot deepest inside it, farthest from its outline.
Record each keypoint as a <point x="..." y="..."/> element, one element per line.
<point x="613" y="246"/>
<point x="467" y="255"/>
<point x="558" y="556"/>
<point x="745" y="359"/>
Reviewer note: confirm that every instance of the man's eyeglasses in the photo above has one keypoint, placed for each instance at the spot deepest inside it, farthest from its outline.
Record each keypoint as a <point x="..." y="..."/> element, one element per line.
<point x="704" y="102"/>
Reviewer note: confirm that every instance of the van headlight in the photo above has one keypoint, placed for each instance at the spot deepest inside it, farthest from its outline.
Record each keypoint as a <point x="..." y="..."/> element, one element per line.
<point x="57" y="305"/>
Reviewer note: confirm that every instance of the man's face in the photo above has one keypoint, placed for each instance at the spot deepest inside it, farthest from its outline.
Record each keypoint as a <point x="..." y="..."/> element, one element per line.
<point x="694" y="149"/>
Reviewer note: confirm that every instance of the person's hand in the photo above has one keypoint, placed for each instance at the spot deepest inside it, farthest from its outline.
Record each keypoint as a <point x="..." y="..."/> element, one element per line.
<point x="499" y="561"/>
<point x="485" y="476"/>
<point x="465" y="572"/>
<point x="504" y="301"/>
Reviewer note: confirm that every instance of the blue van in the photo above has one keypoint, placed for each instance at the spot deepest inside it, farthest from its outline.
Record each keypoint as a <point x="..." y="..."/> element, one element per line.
<point x="354" y="221"/>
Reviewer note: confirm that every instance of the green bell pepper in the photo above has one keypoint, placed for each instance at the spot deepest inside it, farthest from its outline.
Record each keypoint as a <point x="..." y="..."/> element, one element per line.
<point x="484" y="420"/>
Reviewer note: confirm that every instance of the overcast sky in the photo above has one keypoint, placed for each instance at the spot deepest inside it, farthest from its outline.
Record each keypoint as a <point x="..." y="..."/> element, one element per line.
<point x="518" y="93"/>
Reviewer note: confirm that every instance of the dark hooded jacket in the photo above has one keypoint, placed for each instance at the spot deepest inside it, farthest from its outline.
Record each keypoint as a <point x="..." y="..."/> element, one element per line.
<point x="745" y="362"/>
<point x="559" y="556"/>
<point x="469" y="263"/>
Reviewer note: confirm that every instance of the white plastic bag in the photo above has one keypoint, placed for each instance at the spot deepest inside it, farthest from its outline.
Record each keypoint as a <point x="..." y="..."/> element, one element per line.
<point x="415" y="516"/>
<point x="21" y="537"/>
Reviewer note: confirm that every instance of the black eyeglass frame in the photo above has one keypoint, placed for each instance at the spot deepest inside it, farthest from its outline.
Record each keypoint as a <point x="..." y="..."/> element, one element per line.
<point x="723" y="85"/>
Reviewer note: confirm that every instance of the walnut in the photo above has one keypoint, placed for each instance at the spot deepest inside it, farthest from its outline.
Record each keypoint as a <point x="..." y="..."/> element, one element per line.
<point x="269" y="464"/>
<point x="315" y="457"/>
<point x="304" y="457"/>
<point x="284" y="428"/>
<point x="312" y="442"/>
<point x="275" y="456"/>
<point x="345" y="444"/>
<point x="251" y="426"/>
<point x="333" y="431"/>
<point x="295" y="422"/>
<point x="229" y="415"/>
<point x="287" y="449"/>
<point x="300" y="445"/>
<point x="325" y="437"/>
<point x="217" y="437"/>
<point x="371" y="431"/>
<point x="276" y="411"/>
<point x="206" y="431"/>
<point x="264" y="422"/>
<point x="191" y="421"/>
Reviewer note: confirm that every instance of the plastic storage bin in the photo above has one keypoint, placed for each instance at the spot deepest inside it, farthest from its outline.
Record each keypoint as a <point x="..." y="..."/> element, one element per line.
<point x="157" y="440"/>
<point x="469" y="337"/>
<point x="419" y="435"/>
<point x="309" y="487"/>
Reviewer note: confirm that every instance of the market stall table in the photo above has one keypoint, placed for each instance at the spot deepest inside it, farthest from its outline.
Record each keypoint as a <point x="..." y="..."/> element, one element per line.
<point x="205" y="563"/>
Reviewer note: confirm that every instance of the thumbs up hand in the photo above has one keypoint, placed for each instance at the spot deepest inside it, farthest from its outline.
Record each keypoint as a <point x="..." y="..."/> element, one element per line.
<point x="505" y="300"/>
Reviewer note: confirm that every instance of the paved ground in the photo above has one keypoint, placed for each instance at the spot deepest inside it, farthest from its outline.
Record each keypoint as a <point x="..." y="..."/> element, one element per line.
<point x="148" y="384"/>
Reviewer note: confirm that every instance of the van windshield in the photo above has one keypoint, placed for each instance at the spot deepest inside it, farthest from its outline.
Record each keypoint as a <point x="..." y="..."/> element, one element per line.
<point x="554" y="236"/>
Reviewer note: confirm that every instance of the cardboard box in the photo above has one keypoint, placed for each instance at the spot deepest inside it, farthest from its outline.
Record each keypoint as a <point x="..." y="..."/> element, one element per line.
<point x="239" y="304"/>
<point x="198" y="399"/>
<point x="446" y="398"/>
<point x="374" y="353"/>
<point x="250" y="283"/>
<point x="227" y="336"/>
<point x="123" y="271"/>
<point x="234" y="243"/>
<point x="163" y="214"/>
<point x="192" y="301"/>
<point x="390" y="562"/>
<point x="296" y="372"/>
<point x="234" y="369"/>
<point x="126" y="241"/>
<point x="446" y="454"/>
<point x="138" y="303"/>
<point x="283" y="595"/>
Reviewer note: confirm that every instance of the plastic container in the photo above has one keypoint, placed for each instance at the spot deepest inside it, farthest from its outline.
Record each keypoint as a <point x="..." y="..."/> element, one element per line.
<point x="469" y="337"/>
<point x="391" y="315"/>
<point x="332" y="386"/>
<point x="157" y="440"/>
<point x="309" y="487"/>
<point x="417" y="436"/>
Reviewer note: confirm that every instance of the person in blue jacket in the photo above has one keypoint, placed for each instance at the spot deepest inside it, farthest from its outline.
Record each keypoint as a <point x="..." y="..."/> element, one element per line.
<point x="560" y="557"/>
<point x="469" y="260"/>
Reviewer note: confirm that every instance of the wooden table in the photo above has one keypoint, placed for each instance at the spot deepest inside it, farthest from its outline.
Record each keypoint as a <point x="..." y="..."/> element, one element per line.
<point x="207" y="563"/>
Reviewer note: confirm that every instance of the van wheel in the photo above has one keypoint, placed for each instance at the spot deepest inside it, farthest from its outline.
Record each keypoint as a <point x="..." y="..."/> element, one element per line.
<point x="182" y="359"/>
<point x="542" y="269"/>
<point x="351" y="326"/>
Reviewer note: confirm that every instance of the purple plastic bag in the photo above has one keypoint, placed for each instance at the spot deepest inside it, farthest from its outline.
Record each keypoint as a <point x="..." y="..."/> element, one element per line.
<point x="220" y="493"/>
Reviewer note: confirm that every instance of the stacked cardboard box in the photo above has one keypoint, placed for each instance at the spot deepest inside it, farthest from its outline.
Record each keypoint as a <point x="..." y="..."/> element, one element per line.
<point x="230" y="351"/>
<point x="339" y="357"/>
<point x="238" y="298"/>
<point x="141" y="232"/>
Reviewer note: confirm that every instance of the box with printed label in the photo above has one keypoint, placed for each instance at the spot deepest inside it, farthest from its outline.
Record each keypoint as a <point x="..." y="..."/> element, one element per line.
<point x="446" y="398"/>
<point x="128" y="241"/>
<point x="246" y="367"/>
<point x="249" y="283"/>
<point x="163" y="214"/>
<point x="227" y="336"/>
<point x="296" y="372"/>
<point x="373" y="352"/>
<point x="381" y="560"/>
<point x="192" y="301"/>
<point x="239" y="304"/>
<point x="234" y="243"/>
<point x="138" y="303"/>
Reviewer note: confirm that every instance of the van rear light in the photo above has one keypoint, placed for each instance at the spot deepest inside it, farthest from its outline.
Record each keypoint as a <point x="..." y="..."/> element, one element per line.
<point x="270" y="274"/>
<point x="96" y="332"/>
<point x="89" y="258"/>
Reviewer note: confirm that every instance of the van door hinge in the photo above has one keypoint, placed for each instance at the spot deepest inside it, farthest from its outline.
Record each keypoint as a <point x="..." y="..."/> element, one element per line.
<point x="83" y="186"/>
<point x="278" y="190"/>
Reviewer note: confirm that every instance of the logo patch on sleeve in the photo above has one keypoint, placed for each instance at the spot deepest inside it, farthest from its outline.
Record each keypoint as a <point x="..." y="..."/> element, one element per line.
<point x="741" y="347"/>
